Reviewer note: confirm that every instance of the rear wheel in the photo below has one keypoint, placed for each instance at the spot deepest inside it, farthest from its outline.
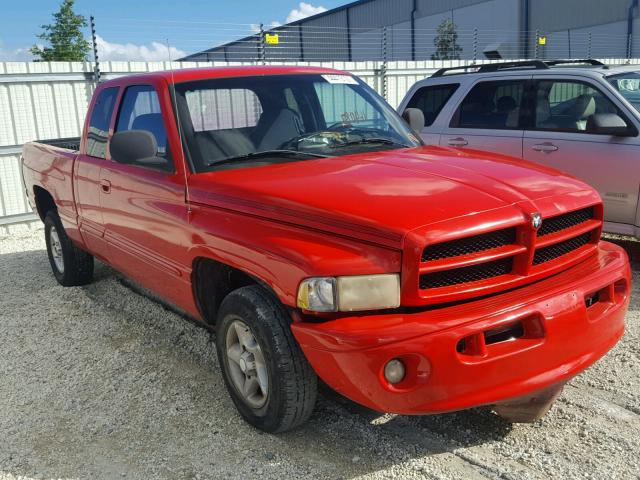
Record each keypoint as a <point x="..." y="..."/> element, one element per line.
<point x="71" y="266"/>
<point x="270" y="381"/>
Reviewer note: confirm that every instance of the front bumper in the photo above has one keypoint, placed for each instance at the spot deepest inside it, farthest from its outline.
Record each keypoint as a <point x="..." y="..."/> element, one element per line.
<point x="460" y="356"/>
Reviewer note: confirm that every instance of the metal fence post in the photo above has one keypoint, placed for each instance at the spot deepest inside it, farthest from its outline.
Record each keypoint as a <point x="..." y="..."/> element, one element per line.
<point x="537" y="39"/>
<point x="475" y="44"/>
<point x="629" y="45"/>
<point x="589" y="45"/>
<point x="262" y="46"/>
<point x="383" y="69"/>
<point x="96" y="66"/>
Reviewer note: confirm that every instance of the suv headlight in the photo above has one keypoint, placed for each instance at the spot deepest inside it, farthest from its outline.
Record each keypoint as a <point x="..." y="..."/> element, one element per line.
<point x="348" y="294"/>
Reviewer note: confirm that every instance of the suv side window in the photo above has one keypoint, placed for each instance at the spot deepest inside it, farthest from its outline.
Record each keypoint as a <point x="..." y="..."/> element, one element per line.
<point x="565" y="105"/>
<point x="140" y="110"/>
<point x="494" y="105"/>
<point x="431" y="100"/>
<point x="98" y="133"/>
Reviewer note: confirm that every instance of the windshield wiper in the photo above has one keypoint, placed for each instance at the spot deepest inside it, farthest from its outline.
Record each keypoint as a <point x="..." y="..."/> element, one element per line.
<point x="265" y="154"/>
<point x="364" y="141"/>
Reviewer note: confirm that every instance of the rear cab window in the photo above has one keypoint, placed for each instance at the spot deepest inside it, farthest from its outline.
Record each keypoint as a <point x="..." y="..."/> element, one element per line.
<point x="431" y="100"/>
<point x="492" y="105"/>
<point x="98" y="133"/>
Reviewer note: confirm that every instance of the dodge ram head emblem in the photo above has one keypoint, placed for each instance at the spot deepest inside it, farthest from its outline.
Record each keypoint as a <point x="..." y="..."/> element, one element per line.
<point x="536" y="220"/>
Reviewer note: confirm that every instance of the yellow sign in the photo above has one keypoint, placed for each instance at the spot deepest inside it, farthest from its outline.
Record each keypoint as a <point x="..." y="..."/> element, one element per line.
<point x="272" y="38"/>
<point x="542" y="40"/>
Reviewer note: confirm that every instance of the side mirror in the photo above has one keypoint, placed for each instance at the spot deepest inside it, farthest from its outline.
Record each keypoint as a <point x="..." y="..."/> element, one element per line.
<point x="414" y="118"/>
<point x="136" y="146"/>
<point x="608" y="124"/>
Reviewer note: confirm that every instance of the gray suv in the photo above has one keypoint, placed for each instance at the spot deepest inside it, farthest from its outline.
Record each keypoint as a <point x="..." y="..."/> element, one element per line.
<point x="578" y="116"/>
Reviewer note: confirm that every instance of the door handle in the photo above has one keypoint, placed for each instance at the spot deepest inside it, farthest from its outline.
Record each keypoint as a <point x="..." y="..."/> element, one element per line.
<point x="545" y="147"/>
<point x="457" y="142"/>
<point x="105" y="186"/>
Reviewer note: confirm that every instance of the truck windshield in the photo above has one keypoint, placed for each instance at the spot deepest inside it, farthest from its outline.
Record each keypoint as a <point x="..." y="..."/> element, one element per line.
<point x="628" y="84"/>
<point x="248" y="121"/>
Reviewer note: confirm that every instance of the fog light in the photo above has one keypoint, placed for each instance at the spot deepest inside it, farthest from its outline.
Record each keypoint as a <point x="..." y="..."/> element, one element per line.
<point x="394" y="371"/>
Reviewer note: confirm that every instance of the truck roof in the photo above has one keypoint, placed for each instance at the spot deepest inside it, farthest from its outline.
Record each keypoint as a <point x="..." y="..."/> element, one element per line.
<point x="191" y="74"/>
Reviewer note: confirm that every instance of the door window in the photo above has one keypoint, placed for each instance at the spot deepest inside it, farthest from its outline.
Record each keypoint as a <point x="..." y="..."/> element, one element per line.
<point x="98" y="133"/>
<point x="140" y="110"/>
<point x="492" y="105"/>
<point x="566" y="106"/>
<point x="431" y="100"/>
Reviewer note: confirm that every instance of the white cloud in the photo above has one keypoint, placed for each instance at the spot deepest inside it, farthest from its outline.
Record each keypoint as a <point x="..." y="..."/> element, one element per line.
<point x="14" y="54"/>
<point x="153" y="52"/>
<point x="304" y="10"/>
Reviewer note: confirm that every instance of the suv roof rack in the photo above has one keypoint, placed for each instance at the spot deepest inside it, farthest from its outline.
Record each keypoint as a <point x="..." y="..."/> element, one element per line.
<point x="520" y="64"/>
<point x="587" y="61"/>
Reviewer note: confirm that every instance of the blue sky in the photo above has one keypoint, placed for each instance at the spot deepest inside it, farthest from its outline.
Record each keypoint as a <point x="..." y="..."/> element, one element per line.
<point x="130" y="29"/>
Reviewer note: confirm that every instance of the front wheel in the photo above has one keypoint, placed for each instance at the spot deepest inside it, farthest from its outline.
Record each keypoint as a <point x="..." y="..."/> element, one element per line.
<point x="71" y="266"/>
<point x="270" y="381"/>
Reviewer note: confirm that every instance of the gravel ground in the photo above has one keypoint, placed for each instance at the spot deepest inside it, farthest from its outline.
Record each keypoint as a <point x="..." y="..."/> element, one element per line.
<point x="103" y="382"/>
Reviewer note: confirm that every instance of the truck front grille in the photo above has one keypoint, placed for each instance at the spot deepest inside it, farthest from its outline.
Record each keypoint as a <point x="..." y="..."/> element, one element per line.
<point x="485" y="260"/>
<point x="473" y="273"/>
<point x="552" y="252"/>
<point x="464" y="246"/>
<point x="562" y="222"/>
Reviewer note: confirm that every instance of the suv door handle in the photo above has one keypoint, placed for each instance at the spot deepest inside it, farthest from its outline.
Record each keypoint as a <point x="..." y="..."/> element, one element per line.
<point x="457" y="142"/>
<point x="105" y="186"/>
<point x="546" y="147"/>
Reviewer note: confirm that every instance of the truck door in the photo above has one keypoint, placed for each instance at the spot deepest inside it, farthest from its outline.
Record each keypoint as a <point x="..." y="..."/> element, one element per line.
<point x="144" y="209"/>
<point x="490" y="117"/>
<point x="87" y="171"/>
<point x="560" y="137"/>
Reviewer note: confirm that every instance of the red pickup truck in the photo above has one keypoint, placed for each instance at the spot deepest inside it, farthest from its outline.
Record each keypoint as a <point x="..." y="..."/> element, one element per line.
<point x="293" y="211"/>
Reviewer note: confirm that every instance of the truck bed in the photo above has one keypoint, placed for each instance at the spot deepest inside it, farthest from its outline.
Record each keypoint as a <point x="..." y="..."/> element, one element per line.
<point x="48" y="164"/>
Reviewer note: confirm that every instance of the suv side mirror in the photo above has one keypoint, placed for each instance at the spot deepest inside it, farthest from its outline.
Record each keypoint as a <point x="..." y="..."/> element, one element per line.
<point x="414" y="118"/>
<point x="136" y="146"/>
<point x="608" y="124"/>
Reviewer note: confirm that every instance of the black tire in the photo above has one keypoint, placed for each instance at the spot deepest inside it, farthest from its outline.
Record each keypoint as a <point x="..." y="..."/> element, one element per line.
<point x="293" y="384"/>
<point x="77" y="265"/>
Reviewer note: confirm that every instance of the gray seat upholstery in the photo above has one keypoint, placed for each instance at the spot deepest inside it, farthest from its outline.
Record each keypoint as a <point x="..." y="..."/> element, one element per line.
<point x="275" y="128"/>
<point x="217" y="144"/>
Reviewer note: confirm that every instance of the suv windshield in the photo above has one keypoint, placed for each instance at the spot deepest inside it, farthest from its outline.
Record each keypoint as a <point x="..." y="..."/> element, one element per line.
<point x="628" y="84"/>
<point x="249" y="121"/>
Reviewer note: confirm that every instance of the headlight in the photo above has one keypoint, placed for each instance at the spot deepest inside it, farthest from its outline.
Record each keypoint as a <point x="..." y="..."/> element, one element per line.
<point x="347" y="294"/>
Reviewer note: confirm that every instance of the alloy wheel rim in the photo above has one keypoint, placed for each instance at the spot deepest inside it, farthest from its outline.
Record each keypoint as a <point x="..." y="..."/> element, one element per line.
<point x="56" y="249"/>
<point x="247" y="367"/>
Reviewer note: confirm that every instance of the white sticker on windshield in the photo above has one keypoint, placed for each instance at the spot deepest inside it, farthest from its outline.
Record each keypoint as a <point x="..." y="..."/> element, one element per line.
<point x="344" y="79"/>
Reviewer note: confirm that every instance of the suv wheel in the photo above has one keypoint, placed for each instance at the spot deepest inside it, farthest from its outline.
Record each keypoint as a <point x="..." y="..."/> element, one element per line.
<point x="270" y="381"/>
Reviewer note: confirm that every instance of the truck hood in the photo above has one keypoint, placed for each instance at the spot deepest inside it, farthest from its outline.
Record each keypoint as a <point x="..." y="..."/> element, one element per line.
<point x="380" y="196"/>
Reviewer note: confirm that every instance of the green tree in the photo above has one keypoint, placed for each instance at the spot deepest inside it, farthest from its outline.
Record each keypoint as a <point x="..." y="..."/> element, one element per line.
<point x="446" y="42"/>
<point x="64" y="35"/>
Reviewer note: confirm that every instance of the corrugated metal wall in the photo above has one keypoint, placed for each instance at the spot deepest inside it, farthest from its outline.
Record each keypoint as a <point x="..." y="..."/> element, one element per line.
<point x="554" y="15"/>
<point x="574" y="28"/>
